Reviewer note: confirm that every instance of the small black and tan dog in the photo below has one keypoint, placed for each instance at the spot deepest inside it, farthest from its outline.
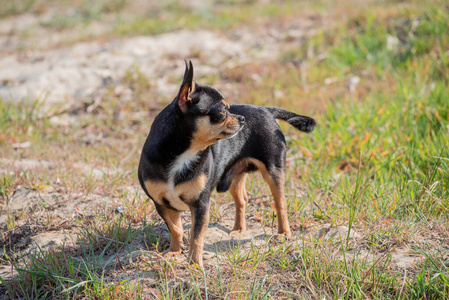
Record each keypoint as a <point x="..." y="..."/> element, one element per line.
<point x="198" y="143"/>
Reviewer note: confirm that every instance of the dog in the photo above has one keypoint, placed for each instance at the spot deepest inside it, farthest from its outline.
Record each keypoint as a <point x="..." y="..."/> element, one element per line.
<point x="199" y="143"/>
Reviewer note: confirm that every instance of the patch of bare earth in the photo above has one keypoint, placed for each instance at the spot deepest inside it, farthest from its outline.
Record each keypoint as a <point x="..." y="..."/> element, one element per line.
<point x="71" y="214"/>
<point x="64" y="75"/>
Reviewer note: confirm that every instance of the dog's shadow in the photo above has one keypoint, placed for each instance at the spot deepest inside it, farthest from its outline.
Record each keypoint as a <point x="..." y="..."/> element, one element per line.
<point x="227" y="241"/>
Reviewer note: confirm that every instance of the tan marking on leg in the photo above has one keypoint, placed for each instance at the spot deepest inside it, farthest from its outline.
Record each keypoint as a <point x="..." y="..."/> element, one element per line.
<point x="240" y="196"/>
<point x="277" y="190"/>
<point x="190" y="190"/>
<point x="173" y="220"/>
<point x="197" y="243"/>
<point x="157" y="190"/>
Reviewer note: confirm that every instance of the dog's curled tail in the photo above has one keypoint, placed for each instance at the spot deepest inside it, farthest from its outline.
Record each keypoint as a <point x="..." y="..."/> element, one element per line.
<point x="302" y="123"/>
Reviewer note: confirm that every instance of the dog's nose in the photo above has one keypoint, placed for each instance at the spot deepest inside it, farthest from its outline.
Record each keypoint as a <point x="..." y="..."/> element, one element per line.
<point x="241" y="119"/>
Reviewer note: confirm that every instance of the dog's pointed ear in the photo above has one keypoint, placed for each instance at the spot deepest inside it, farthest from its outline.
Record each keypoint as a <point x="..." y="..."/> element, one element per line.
<point x="187" y="87"/>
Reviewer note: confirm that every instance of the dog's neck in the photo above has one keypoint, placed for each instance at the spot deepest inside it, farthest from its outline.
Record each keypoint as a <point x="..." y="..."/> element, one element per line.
<point x="173" y="133"/>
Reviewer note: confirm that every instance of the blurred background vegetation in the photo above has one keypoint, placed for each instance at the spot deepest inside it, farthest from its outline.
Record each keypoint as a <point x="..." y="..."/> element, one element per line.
<point x="373" y="73"/>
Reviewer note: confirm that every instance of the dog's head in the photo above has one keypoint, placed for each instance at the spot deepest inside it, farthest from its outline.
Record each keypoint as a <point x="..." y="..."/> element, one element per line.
<point x="207" y="110"/>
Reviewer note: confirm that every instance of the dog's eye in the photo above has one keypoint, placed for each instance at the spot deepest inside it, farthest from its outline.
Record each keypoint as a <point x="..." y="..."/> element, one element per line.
<point x="223" y="112"/>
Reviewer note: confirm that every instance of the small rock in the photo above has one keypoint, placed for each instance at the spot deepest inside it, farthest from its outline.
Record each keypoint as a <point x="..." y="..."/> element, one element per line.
<point x="330" y="80"/>
<point x="392" y="42"/>
<point x="119" y="210"/>
<point x="59" y="121"/>
<point x="20" y="199"/>
<point x="256" y="77"/>
<point x="208" y="256"/>
<point x="23" y="145"/>
<point x="278" y="94"/>
<point x="353" y="82"/>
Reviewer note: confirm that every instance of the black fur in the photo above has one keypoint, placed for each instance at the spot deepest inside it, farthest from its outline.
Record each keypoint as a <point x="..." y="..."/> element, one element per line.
<point x="173" y="133"/>
<point x="303" y="123"/>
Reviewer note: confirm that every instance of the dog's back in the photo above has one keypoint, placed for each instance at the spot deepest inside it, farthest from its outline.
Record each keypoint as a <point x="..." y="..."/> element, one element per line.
<point x="199" y="143"/>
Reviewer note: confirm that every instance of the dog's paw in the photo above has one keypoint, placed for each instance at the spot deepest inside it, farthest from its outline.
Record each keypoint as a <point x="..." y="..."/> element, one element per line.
<point x="237" y="231"/>
<point x="286" y="234"/>
<point x="170" y="253"/>
<point x="196" y="259"/>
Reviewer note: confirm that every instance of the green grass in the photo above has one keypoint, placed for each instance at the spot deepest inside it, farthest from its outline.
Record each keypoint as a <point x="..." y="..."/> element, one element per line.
<point x="15" y="7"/>
<point x="399" y="135"/>
<point x="377" y="163"/>
<point x="126" y="18"/>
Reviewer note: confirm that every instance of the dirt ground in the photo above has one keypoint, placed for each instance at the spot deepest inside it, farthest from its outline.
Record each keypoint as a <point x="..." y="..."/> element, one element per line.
<point x="49" y="65"/>
<point x="62" y="72"/>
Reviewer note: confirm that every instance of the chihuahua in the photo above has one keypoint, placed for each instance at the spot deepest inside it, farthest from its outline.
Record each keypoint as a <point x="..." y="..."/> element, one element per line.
<point x="199" y="143"/>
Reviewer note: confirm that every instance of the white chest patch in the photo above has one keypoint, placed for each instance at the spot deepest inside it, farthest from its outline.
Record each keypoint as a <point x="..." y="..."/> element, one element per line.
<point x="180" y="195"/>
<point x="181" y="163"/>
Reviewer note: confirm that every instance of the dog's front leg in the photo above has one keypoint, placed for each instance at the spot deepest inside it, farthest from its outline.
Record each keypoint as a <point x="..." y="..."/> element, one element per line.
<point x="173" y="220"/>
<point x="200" y="222"/>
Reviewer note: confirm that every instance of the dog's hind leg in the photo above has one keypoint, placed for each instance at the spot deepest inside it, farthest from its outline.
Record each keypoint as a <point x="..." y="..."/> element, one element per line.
<point x="276" y="184"/>
<point x="275" y="177"/>
<point x="238" y="192"/>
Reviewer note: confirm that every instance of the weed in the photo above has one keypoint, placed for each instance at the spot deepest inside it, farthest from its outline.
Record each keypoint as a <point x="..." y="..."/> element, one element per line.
<point x="6" y="187"/>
